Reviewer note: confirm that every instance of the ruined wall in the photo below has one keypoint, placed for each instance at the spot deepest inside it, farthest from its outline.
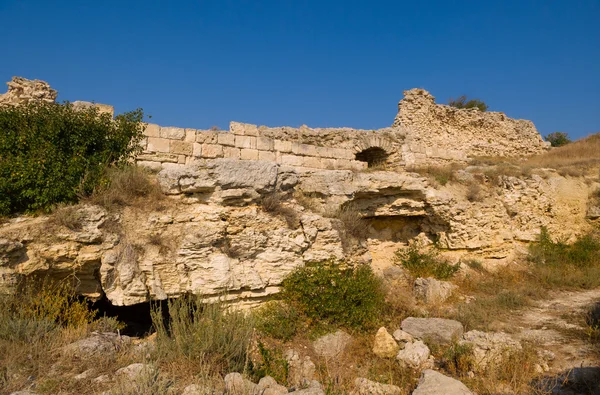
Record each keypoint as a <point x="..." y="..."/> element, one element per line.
<point x="332" y="148"/>
<point x="443" y="133"/>
<point x="23" y="91"/>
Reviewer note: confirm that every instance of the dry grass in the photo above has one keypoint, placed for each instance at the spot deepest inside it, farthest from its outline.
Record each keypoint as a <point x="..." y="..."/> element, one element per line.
<point x="129" y="186"/>
<point x="581" y="153"/>
<point x="273" y="204"/>
<point x="67" y="217"/>
<point x="439" y="175"/>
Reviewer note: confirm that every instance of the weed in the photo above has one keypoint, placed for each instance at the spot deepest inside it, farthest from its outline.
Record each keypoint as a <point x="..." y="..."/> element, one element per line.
<point x="68" y="217"/>
<point x="272" y="363"/>
<point x="474" y="192"/>
<point x="475" y="265"/>
<point x="458" y="359"/>
<point x="425" y="263"/>
<point x="148" y="382"/>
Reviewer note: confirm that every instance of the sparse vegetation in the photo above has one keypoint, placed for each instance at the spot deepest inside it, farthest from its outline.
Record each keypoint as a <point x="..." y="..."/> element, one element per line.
<point x="558" y="139"/>
<point x="278" y="320"/>
<point x="425" y="262"/>
<point x="51" y="153"/>
<point x="203" y="332"/>
<point x="462" y="102"/>
<point x="332" y="293"/>
<point x="272" y="203"/>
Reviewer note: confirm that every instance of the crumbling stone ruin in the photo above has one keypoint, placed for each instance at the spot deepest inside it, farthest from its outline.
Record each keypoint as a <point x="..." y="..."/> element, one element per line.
<point x="23" y="91"/>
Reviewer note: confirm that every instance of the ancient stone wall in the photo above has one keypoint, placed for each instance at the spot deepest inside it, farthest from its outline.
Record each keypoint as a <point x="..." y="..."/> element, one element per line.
<point x="439" y="133"/>
<point x="23" y="91"/>
<point x="334" y="148"/>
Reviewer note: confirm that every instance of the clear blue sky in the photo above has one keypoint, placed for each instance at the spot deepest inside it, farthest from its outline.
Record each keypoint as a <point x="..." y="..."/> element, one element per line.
<point x="320" y="63"/>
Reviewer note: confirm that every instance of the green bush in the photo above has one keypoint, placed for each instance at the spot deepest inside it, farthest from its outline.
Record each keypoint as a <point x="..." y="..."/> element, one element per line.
<point x="462" y="102"/>
<point x="51" y="153"/>
<point x="198" y="330"/>
<point x="278" y="320"/>
<point x="558" y="139"/>
<point x="426" y="263"/>
<point x="329" y="292"/>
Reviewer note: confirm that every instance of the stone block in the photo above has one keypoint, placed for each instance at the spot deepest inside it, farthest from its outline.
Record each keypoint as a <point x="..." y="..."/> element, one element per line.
<point x="190" y="135"/>
<point x="282" y="146"/>
<point x="292" y="160"/>
<point x="231" y="152"/>
<point x="181" y="159"/>
<point x="143" y="143"/>
<point x="158" y="157"/>
<point x="248" y="142"/>
<point x="154" y="166"/>
<point x="324" y="152"/>
<point x="249" y="154"/>
<point x="168" y="132"/>
<point x="212" y="151"/>
<point x="264" y="144"/>
<point x="226" y="138"/>
<point x="206" y="136"/>
<point x="181" y="147"/>
<point x="152" y="130"/>
<point x="243" y="129"/>
<point x="157" y="144"/>
<point x="304" y="149"/>
<point x="312" y="161"/>
<point x="267" y="155"/>
<point x="197" y="149"/>
<point x="328" y="163"/>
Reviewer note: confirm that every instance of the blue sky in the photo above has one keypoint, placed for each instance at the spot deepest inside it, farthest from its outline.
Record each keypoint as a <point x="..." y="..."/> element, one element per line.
<point x="320" y="63"/>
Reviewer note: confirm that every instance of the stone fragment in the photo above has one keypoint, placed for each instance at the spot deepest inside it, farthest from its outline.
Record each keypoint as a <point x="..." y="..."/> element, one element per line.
<point x="97" y="344"/>
<point x="301" y="371"/>
<point x="364" y="386"/>
<point x="268" y="386"/>
<point x="434" y="383"/>
<point x="332" y="345"/>
<point x="402" y="337"/>
<point x="437" y="330"/>
<point x="385" y="346"/>
<point x="414" y="354"/>
<point x="135" y="370"/>
<point x="432" y="291"/>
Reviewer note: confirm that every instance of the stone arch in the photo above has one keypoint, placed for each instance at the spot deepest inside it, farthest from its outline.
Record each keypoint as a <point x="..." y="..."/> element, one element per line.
<point x="373" y="149"/>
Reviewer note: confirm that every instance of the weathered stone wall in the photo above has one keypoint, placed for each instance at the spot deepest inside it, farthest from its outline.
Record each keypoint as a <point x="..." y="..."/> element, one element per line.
<point x="439" y="133"/>
<point x="333" y="149"/>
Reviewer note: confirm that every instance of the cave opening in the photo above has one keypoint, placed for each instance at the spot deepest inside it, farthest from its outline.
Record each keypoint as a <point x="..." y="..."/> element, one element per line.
<point x="374" y="156"/>
<point x="136" y="318"/>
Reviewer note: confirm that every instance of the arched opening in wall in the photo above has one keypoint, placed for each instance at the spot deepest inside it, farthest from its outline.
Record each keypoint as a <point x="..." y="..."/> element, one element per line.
<point x="374" y="156"/>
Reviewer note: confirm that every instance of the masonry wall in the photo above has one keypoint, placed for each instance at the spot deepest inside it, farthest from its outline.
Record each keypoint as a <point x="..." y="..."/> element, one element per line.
<point x="331" y="148"/>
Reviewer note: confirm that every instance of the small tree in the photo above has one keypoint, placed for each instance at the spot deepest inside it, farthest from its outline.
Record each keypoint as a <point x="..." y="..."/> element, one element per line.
<point x="558" y="139"/>
<point x="462" y="102"/>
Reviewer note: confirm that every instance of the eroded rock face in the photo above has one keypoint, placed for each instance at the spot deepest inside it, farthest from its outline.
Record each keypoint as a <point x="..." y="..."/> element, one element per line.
<point x="211" y="234"/>
<point x="24" y="91"/>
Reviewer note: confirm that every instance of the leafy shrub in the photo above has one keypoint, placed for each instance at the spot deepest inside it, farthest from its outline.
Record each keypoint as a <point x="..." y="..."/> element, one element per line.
<point x="425" y="263"/>
<point x="458" y="358"/>
<point x="462" y="102"/>
<point x="278" y="320"/>
<point x="198" y="330"/>
<point x="558" y="139"/>
<point x="51" y="153"/>
<point x="345" y="296"/>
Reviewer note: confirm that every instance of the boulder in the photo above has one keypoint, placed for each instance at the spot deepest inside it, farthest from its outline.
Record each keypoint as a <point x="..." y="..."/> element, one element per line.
<point x="133" y="371"/>
<point x="437" y="330"/>
<point x="236" y="384"/>
<point x="332" y="345"/>
<point x="385" y="346"/>
<point x="488" y="347"/>
<point x="402" y="337"/>
<point x="432" y="291"/>
<point x="434" y="383"/>
<point x="104" y="344"/>
<point x="364" y="386"/>
<point x="268" y="386"/>
<point x="414" y="354"/>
